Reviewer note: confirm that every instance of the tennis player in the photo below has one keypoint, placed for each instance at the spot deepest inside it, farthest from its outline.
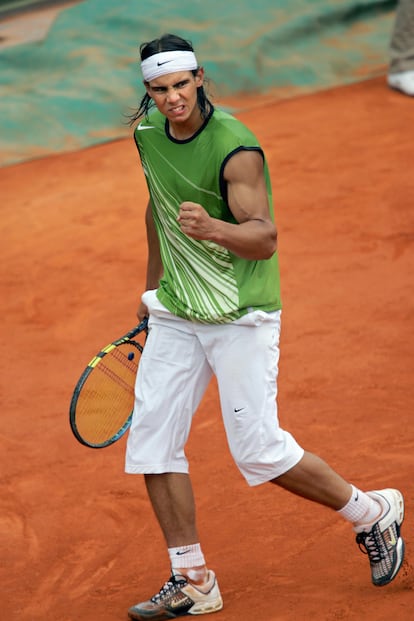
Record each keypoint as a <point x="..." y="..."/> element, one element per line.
<point x="213" y="301"/>
<point x="401" y="66"/>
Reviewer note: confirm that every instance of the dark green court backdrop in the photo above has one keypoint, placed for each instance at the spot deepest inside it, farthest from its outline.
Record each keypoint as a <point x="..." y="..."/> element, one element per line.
<point x="72" y="88"/>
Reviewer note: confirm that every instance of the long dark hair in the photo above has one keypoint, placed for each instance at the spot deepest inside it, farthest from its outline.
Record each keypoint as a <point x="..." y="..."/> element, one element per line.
<point x="168" y="43"/>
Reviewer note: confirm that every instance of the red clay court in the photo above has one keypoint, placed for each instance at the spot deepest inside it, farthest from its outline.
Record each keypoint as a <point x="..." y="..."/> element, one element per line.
<point x="78" y="535"/>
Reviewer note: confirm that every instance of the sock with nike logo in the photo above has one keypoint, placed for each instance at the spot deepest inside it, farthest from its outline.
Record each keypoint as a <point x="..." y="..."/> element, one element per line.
<point x="361" y="508"/>
<point x="189" y="561"/>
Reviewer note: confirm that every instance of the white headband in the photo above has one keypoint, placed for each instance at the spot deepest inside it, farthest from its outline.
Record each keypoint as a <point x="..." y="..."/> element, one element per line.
<point x="167" y="62"/>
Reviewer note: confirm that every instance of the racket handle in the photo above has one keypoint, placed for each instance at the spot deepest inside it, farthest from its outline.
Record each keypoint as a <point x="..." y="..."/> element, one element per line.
<point x="142" y="327"/>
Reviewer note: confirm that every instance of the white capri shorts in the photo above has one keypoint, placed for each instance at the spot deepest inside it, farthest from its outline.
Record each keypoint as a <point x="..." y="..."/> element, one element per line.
<point x="178" y="361"/>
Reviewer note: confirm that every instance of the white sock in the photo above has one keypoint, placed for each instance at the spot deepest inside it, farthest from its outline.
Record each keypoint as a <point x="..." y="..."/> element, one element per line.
<point x="360" y="508"/>
<point x="185" y="557"/>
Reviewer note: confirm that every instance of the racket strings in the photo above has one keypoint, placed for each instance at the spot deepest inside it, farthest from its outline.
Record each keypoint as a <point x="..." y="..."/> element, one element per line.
<point x="114" y="375"/>
<point x="106" y="400"/>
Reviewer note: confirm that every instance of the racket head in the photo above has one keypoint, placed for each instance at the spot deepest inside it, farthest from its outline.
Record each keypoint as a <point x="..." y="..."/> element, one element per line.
<point x="102" y="403"/>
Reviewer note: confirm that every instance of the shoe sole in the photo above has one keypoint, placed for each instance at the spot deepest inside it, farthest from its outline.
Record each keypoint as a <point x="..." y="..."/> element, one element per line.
<point x="400" y="89"/>
<point x="204" y="608"/>
<point x="400" y="502"/>
<point x="200" y="608"/>
<point x="400" y="550"/>
<point x="400" y="546"/>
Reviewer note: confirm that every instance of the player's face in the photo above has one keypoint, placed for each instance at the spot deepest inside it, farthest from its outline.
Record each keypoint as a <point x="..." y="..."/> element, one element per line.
<point x="175" y="96"/>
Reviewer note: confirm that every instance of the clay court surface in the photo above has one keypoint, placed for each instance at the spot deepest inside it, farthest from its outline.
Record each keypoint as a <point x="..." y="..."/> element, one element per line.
<point x="79" y="541"/>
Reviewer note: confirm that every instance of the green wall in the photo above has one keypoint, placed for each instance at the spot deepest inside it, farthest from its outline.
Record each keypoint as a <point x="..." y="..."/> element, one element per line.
<point x="74" y="87"/>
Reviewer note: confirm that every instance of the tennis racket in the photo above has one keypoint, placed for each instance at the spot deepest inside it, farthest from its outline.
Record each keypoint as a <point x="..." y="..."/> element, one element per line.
<point x="102" y="403"/>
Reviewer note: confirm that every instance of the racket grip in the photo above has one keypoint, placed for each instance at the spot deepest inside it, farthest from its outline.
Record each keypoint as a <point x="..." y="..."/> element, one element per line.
<point x="142" y="327"/>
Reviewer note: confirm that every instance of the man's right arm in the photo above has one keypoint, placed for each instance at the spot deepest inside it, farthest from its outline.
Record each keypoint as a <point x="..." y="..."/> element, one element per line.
<point x="154" y="264"/>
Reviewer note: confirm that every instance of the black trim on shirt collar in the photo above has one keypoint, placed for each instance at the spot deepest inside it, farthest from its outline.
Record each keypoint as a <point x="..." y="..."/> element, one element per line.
<point x="200" y="129"/>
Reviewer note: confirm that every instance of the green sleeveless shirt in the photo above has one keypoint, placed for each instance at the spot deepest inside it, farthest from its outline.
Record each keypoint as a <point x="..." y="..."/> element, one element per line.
<point x="202" y="280"/>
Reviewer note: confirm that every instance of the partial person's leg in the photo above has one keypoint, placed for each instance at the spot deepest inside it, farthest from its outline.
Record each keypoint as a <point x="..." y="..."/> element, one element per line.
<point x="313" y="479"/>
<point x="172" y="499"/>
<point x="192" y="588"/>
<point x="245" y="358"/>
<point x="171" y="380"/>
<point x="245" y="361"/>
<point x="172" y="377"/>
<point x="401" y="66"/>
<point x="376" y="516"/>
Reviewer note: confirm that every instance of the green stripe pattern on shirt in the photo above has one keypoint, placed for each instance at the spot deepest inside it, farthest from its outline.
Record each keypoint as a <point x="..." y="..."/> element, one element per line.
<point x="202" y="280"/>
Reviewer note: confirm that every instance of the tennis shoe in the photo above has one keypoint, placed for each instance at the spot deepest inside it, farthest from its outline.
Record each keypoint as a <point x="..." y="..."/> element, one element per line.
<point x="402" y="81"/>
<point x="381" y="540"/>
<point x="179" y="597"/>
